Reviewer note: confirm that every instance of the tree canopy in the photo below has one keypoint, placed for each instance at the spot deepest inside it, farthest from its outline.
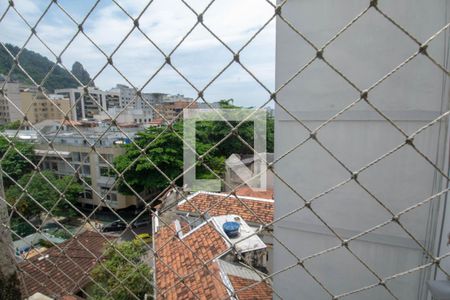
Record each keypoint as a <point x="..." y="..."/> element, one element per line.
<point x="164" y="151"/>
<point x="12" y="159"/>
<point x="44" y="193"/>
<point x="134" y="277"/>
<point x="11" y="125"/>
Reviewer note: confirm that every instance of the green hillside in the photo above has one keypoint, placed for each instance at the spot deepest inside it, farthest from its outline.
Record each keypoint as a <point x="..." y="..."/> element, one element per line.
<point x="37" y="66"/>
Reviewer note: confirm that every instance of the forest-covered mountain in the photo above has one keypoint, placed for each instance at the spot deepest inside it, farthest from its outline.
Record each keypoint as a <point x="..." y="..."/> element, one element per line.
<point x="37" y="66"/>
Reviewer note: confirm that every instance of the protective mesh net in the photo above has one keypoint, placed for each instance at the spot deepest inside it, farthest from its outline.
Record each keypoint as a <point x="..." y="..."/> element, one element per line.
<point x="179" y="239"/>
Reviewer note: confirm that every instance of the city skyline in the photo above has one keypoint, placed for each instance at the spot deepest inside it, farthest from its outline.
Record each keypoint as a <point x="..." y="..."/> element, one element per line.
<point x="138" y="59"/>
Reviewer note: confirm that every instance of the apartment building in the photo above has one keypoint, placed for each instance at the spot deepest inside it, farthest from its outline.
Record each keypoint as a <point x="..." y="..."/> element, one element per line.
<point x="73" y="151"/>
<point x="141" y="107"/>
<point x="86" y="105"/>
<point x="113" y="99"/>
<point x="170" y="110"/>
<point x="125" y="115"/>
<point x="38" y="107"/>
<point x="9" y="94"/>
<point x="19" y="100"/>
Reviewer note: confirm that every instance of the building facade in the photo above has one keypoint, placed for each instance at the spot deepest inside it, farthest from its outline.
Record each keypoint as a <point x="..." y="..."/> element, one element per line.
<point x="86" y="105"/>
<point x="38" y="107"/>
<point x="125" y="115"/>
<point x="72" y="152"/>
<point x="411" y="97"/>
<point x="10" y="95"/>
<point x="171" y="110"/>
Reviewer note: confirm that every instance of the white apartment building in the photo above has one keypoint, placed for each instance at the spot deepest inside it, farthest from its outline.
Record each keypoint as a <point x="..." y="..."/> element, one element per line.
<point x="142" y="107"/>
<point x="86" y="105"/>
<point x="412" y="97"/>
<point x="125" y="115"/>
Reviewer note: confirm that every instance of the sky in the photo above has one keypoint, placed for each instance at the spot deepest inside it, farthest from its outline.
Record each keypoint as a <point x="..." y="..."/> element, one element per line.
<point x="200" y="57"/>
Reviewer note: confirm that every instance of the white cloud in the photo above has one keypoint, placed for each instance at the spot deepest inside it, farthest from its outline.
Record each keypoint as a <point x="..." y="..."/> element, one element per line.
<point x="166" y="22"/>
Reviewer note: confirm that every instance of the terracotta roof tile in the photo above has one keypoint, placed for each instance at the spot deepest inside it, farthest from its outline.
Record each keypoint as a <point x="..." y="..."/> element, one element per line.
<point x="258" y="291"/>
<point x="175" y="256"/>
<point x="247" y="191"/>
<point x="57" y="275"/>
<point x="253" y="210"/>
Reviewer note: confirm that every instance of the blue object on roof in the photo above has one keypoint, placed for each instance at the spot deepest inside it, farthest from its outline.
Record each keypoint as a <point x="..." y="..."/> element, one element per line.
<point x="231" y="229"/>
<point x="22" y="250"/>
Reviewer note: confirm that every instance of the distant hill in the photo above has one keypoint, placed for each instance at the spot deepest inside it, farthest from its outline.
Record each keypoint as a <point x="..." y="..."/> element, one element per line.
<point x="37" y="66"/>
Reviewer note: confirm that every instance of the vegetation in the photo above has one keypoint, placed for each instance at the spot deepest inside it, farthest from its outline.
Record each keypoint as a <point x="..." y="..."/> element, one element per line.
<point x="37" y="66"/>
<point x="166" y="152"/>
<point x="21" y="228"/>
<point x="132" y="278"/>
<point x="11" y="125"/>
<point x="12" y="159"/>
<point x="44" y="193"/>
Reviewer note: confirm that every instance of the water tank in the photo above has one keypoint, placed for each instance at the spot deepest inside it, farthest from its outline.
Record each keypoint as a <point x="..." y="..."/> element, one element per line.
<point x="231" y="229"/>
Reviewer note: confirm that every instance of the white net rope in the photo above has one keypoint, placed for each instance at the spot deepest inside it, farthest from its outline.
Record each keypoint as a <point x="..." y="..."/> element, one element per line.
<point x="146" y="205"/>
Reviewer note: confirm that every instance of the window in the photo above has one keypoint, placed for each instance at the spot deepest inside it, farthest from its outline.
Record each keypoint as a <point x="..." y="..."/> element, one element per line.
<point x="104" y="171"/>
<point x="85" y="156"/>
<point x="87" y="194"/>
<point x="103" y="158"/>
<point x="86" y="170"/>
<point x="109" y="195"/>
<point x="76" y="156"/>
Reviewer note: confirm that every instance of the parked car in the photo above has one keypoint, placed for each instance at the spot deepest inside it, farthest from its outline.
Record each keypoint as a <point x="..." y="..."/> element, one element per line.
<point x="145" y="237"/>
<point x="117" y="225"/>
<point x="50" y="227"/>
<point x="140" y="223"/>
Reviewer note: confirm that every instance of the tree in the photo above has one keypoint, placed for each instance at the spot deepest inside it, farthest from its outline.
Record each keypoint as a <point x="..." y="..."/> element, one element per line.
<point x="12" y="158"/>
<point x="133" y="277"/>
<point x="11" y="125"/>
<point x="45" y="194"/>
<point x="166" y="152"/>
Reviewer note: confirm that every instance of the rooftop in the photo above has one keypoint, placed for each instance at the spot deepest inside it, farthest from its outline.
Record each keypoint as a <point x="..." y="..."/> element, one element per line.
<point x="251" y="209"/>
<point x="55" y="274"/>
<point x="195" y="256"/>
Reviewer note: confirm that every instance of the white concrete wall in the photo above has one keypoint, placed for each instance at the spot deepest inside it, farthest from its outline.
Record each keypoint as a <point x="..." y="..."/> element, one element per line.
<point x="412" y="97"/>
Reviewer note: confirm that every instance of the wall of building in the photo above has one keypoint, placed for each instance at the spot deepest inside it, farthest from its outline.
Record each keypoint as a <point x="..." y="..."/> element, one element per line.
<point x="8" y="112"/>
<point x="411" y="97"/>
<point x="91" y="169"/>
<point x="38" y="108"/>
<point x="171" y="110"/>
<point x="85" y="106"/>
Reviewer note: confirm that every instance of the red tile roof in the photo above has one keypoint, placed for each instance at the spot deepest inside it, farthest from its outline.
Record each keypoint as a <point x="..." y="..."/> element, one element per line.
<point x="59" y="273"/>
<point x="187" y="259"/>
<point x="189" y="264"/>
<point x="259" y="291"/>
<point x="255" y="210"/>
<point x="247" y="191"/>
